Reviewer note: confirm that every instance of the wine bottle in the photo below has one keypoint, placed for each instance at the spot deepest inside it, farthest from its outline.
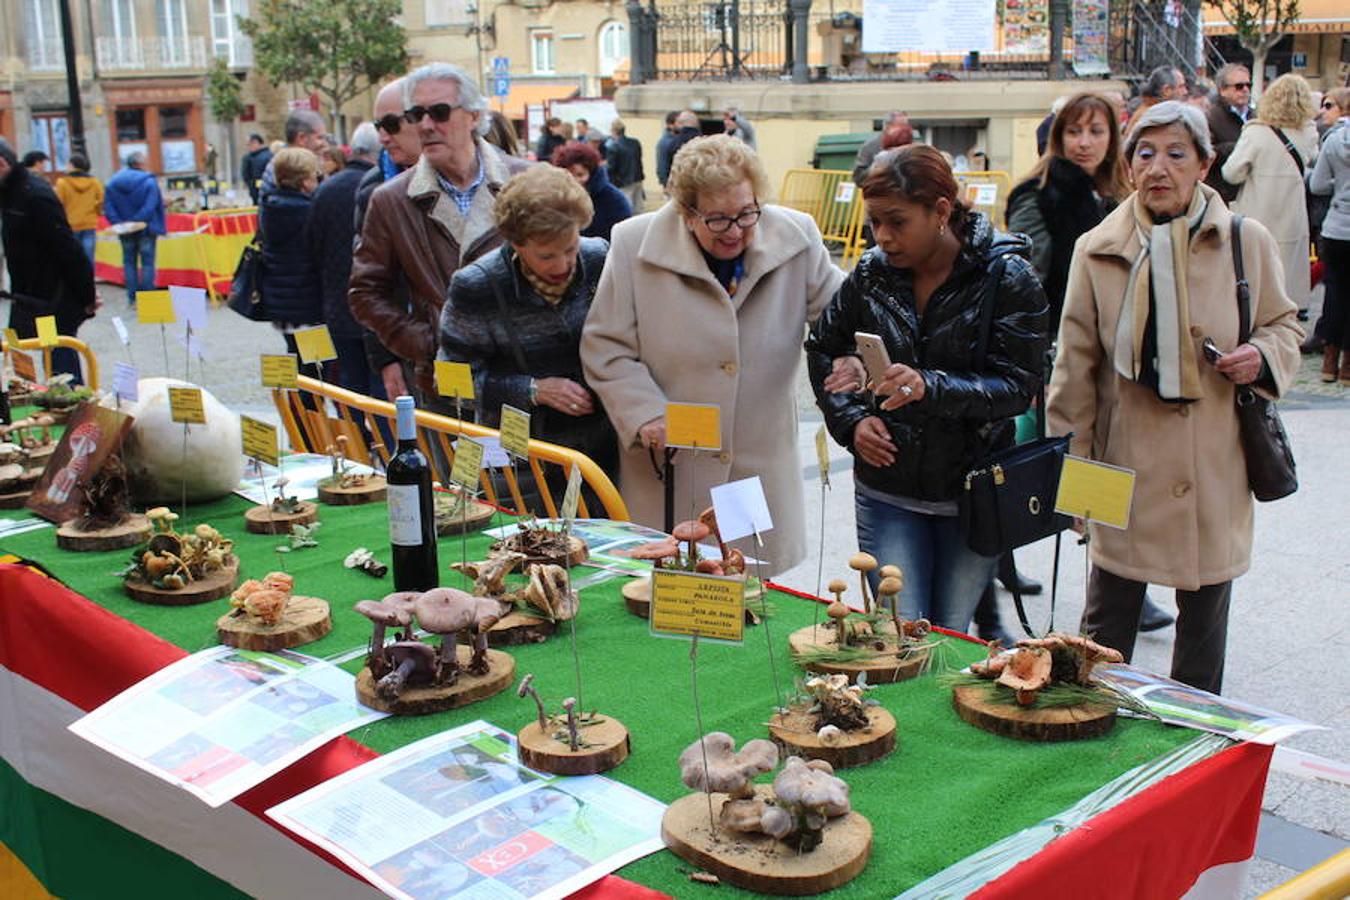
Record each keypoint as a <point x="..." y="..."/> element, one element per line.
<point x="412" y="519"/>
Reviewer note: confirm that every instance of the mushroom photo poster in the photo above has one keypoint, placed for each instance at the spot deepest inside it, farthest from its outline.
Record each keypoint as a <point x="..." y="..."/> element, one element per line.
<point x="223" y="720"/>
<point x="456" y="814"/>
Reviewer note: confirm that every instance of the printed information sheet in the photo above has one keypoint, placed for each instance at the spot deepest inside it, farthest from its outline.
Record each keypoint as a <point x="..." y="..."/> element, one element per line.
<point x="223" y="720"/>
<point x="457" y="815"/>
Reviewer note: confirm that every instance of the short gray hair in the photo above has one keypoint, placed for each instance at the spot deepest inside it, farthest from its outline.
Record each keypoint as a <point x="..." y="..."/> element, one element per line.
<point x="1160" y="78"/>
<point x="1169" y="112"/>
<point x="365" y="141"/>
<point x="303" y="121"/>
<point x="134" y="159"/>
<point x="1221" y="76"/>
<point x="470" y="97"/>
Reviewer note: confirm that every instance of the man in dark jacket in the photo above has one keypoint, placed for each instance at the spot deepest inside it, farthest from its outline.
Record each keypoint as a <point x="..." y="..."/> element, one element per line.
<point x="686" y="128"/>
<point x="254" y="164"/>
<point x="550" y="139"/>
<point x="48" y="271"/>
<point x="1226" y="118"/>
<point x="623" y="158"/>
<point x="331" y="232"/>
<point x="130" y="199"/>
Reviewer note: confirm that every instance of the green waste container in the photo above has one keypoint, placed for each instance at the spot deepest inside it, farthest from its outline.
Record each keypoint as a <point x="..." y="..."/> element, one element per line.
<point x="839" y="151"/>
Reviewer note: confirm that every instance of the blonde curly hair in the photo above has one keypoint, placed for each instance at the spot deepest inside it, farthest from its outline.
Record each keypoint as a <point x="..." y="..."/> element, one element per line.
<point x="1286" y="103"/>
<point x="710" y="165"/>
<point x="292" y="166"/>
<point x="541" y="203"/>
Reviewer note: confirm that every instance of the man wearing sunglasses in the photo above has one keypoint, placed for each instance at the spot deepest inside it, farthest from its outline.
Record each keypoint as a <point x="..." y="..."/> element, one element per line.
<point x="429" y="221"/>
<point x="1226" y="119"/>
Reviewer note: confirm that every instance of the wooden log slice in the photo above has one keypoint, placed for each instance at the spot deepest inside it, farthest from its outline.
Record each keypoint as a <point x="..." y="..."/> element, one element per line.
<point x="419" y="701"/>
<point x="262" y="519"/>
<point x="637" y="596"/>
<point x="886" y="668"/>
<point x="479" y="515"/>
<point x="606" y="744"/>
<point x="38" y="456"/>
<point x="1056" y="723"/>
<point x="132" y="530"/>
<point x="795" y="733"/>
<point x="577" y="552"/>
<point x="372" y="491"/>
<point x="220" y="583"/>
<point x="305" y="619"/>
<point x="760" y="863"/>
<point x="15" y="499"/>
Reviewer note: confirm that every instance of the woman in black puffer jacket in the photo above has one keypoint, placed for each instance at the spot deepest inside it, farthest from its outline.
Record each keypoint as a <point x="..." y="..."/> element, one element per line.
<point x="950" y="392"/>
<point x="289" y="281"/>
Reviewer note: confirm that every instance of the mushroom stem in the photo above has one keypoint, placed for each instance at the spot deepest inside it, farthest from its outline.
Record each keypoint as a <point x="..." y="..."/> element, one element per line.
<point x="570" y="704"/>
<point x="866" y="593"/>
<point x="527" y="687"/>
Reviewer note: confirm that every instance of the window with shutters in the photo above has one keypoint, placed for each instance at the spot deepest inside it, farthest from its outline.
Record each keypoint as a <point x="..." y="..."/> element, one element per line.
<point x="43" y="26"/>
<point x="541" y="51"/>
<point x="440" y="13"/>
<point x="613" y="47"/>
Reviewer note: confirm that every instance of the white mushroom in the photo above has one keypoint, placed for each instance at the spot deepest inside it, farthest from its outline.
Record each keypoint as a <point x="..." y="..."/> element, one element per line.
<point x="727" y="771"/>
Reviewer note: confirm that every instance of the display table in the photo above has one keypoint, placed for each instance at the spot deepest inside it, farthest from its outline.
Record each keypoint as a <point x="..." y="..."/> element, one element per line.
<point x="74" y="820"/>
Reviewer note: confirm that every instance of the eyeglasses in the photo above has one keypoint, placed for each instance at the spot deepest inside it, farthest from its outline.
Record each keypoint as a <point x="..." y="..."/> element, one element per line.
<point x="721" y="224"/>
<point x="1241" y="85"/>
<point x="389" y="124"/>
<point x="439" y="112"/>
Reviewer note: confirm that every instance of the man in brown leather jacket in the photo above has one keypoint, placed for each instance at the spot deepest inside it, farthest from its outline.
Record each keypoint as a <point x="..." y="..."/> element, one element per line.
<point x="429" y="221"/>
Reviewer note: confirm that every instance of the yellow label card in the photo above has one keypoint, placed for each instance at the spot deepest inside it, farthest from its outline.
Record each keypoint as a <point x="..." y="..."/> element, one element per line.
<point x="185" y="405"/>
<point x="46" y="331"/>
<point x="697" y="426"/>
<point x="315" y="344"/>
<point x="454" y="379"/>
<point x="689" y="604"/>
<point x="280" y="370"/>
<point x="823" y="454"/>
<point x="1095" y="492"/>
<point x="154" y="308"/>
<point x="468" y="462"/>
<point x="260" y="441"/>
<point x="515" y="430"/>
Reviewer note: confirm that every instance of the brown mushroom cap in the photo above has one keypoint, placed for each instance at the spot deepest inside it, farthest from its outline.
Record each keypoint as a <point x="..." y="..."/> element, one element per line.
<point x="382" y="613"/>
<point x="890" y="585"/>
<point x="837" y="586"/>
<point x="1028" y="669"/>
<point x="692" y="530"/>
<point x="862" y="562"/>
<point x="889" y="571"/>
<point x="444" y="610"/>
<point x="662" y="549"/>
<point x="837" y="610"/>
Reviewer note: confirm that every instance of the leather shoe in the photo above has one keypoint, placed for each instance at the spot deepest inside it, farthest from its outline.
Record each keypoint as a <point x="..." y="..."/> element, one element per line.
<point x="1029" y="587"/>
<point x="1153" y="617"/>
<point x="1312" y="345"/>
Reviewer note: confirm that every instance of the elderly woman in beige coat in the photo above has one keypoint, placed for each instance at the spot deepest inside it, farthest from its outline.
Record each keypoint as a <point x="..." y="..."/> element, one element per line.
<point x="706" y="301"/>
<point x="1132" y="385"/>
<point x="1273" y="152"/>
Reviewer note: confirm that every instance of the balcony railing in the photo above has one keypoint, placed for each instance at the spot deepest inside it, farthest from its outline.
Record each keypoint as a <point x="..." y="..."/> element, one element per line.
<point x="47" y="55"/>
<point x="149" y="54"/>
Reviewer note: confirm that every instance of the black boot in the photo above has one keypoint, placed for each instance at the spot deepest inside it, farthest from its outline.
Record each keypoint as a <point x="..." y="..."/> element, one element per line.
<point x="1153" y="617"/>
<point x="1009" y="576"/>
<point x="988" y="622"/>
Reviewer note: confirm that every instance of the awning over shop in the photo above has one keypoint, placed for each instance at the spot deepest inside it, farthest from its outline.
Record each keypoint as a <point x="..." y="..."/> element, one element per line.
<point x="1315" y="17"/>
<point x="525" y="94"/>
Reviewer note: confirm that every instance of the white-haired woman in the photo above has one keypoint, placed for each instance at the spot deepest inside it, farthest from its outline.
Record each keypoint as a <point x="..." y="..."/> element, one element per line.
<point x="1273" y="154"/>
<point x="1131" y="383"/>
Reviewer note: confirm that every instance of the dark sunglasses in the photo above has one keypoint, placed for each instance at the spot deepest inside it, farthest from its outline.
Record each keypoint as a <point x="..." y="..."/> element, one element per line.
<point x="389" y="124"/>
<point x="1241" y="85"/>
<point x="439" y="112"/>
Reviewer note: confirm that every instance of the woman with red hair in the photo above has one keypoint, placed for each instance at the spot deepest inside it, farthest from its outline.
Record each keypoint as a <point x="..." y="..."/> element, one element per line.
<point x="611" y="206"/>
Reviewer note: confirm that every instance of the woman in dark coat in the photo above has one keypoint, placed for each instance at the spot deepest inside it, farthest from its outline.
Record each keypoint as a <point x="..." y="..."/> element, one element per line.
<point x="515" y="316"/>
<point x="289" y="280"/>
<point x="943" y="405"/>
<point x="611" y="206"/>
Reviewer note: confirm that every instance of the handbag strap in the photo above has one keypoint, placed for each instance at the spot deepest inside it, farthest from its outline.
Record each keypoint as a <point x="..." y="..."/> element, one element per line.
<point x="1016" y="591"/>
<point x="1244" y="291"/>
<point x="1293" y="151"/>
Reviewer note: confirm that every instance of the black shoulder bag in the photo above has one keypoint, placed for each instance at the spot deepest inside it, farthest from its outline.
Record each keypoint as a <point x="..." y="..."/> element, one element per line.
<point x="246" y="287"/>
<point x="1270" y="460"/>
<point x="1009" y="499"/>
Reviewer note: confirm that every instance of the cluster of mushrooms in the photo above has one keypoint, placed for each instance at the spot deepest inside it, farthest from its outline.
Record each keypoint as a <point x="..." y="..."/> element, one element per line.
<point x="1039" y="663"/>
<point x="665" y="553"/>
<point x="263" y="601"/>
<point x="563" y="729"/>
<point x="838" y="705"/>
<point x="863" y="632"/>
<point x="171" y="561"/>
<point x="806" y="794"/>
<point x="342" y="478"/>
<point x="547" y="593"/>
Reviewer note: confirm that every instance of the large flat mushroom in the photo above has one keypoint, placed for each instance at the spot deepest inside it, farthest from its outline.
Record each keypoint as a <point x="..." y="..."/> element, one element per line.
<point x="726" y="771"/>
<point x="1026" y="672"/>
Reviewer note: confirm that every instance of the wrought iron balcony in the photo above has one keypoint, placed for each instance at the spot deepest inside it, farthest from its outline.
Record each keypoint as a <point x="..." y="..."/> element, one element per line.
<point x="150" y="54"/>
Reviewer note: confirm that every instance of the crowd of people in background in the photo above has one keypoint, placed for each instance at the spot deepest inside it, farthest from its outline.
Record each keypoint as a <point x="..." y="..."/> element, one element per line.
<point x="434" y="233"/>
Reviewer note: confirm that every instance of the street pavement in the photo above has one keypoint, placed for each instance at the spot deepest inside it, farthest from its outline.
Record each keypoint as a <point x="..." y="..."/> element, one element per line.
<point x="1289" y="625"/>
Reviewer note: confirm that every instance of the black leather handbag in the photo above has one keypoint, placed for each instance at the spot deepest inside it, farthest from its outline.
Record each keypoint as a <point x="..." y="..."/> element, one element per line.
<point x="1270" y="460"/>
<point x="246" y="286"/>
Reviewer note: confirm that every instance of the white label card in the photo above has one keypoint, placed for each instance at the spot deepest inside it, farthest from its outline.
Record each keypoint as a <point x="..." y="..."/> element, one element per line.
<point x="126" y="382"/>
<point x="405" y="515"/>
<point x="189" y="305"/>
<point x="572" y="496"/>
<point x="121" y="328"/>
<point x="741" y="508"/>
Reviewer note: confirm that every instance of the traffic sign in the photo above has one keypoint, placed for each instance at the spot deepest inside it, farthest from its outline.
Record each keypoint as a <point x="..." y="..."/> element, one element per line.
<point x="501" y="85"/>
<point x="501" y="64"/>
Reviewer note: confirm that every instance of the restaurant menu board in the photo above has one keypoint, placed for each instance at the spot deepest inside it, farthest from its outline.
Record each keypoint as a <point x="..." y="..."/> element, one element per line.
<point x="456" y="814"/>
<point x="1090" y="47"/>
<point x="928" y="26"/>
<point x="1026" y="26"/>
<point x="224" y="720"/>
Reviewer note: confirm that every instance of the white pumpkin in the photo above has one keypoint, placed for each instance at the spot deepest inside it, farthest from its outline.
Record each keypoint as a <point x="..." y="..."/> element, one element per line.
<point x="153" y="450"/>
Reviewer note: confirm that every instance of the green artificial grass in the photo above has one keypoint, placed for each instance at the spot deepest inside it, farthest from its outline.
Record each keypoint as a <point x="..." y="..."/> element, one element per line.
<point x="947" y="791"/>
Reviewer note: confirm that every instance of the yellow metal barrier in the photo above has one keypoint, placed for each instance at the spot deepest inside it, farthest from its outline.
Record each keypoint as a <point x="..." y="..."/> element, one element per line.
<point x="316" y="413"/>
<point x="830" y="198"/>
<point x="1328" y="880"/>
<point x="79" y="346"/>
<point x="222" y="236"/>
<point x="986" y="192"/>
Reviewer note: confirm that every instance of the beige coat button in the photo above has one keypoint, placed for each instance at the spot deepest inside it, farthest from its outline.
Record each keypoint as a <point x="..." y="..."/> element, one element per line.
<point x="1181" y="489"/>
<point x="1183" y="409"/>
<point x="1197" y="331"/>
<point x="724" y="457"/>
<point x="730" y="368"/>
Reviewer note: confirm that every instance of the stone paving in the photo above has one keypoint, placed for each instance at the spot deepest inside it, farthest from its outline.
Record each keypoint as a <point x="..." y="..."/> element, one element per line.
<point x="1290" y="620"/>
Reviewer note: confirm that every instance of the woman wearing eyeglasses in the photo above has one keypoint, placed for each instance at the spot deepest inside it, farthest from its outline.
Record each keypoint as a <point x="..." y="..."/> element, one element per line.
<point x="705" y="301"/>
<point x="963" y="319"/>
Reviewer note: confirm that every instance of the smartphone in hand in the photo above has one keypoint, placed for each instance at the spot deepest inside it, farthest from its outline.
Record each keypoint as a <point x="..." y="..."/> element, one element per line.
<point x="874" y="356"/>
<point x="1211" y="350"/>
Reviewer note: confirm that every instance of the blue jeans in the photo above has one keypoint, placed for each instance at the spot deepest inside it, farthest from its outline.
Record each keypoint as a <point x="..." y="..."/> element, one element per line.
<point x="88" y="239"/>
<point x="943" y="577"/>
<point x="138" y="263"/>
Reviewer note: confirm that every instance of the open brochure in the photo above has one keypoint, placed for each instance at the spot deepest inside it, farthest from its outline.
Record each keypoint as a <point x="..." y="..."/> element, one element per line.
<point x="303" y="473"/>
<point x="223" y="720"/>
<point x="456" y="814"/>
<point x="1180" y="704"/>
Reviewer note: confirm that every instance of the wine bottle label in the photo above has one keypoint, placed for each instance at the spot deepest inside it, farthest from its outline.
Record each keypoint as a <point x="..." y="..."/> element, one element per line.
<point x="405" y="515"/>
